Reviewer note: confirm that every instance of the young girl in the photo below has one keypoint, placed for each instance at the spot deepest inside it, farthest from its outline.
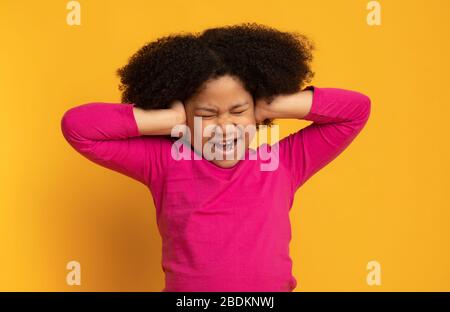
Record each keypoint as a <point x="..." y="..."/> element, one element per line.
<point x="224" y="222"/>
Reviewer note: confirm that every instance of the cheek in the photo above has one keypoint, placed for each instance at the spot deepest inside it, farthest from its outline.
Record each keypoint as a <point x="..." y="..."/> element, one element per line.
<point x="250" y="117"/>
<point x="206" y="132"/>
<point x="248" y="120"/>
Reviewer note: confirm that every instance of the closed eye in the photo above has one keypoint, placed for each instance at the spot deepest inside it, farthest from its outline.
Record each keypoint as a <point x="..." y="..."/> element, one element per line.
<point x="240" y="112"/>
<point x="206" y="116"/>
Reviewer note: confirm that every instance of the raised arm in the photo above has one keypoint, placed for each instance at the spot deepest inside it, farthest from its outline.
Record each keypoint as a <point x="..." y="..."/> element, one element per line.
<point x="338" y="116"/>
<point x="121" y="137"/>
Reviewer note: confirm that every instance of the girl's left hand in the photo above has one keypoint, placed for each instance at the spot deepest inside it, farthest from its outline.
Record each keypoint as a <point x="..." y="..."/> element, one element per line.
<point x="296" y="105"/>
<point x="262" y="110"/>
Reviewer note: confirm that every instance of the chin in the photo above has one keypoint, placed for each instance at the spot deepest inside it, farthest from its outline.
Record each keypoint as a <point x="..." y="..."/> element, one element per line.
<point x="226" y="163"/>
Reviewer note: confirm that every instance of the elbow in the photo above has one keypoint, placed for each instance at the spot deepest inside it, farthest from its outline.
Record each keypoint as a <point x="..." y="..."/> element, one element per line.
<point x="363" y="109"/>
<point x="71" y="125"/>
<point x="67" y="125"/>
<point x="366" y="108"/>
<point x="362" y="106"/>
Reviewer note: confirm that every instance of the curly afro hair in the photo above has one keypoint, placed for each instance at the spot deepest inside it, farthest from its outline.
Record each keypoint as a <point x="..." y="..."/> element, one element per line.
<point x="267" y="61"/>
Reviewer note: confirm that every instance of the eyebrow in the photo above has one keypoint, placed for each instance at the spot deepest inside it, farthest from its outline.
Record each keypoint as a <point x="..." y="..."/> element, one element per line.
<point x="214" y="110"/>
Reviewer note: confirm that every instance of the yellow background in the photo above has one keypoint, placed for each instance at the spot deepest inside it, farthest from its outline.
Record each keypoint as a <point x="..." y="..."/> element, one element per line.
<point x="386" y="198"/>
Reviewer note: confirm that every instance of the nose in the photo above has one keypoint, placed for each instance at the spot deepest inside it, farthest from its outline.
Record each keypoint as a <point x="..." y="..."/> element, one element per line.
<point x="226" y="126"/>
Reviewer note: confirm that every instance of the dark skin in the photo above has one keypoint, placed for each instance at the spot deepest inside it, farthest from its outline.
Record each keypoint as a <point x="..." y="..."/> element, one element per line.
<point x="222" y="102"/>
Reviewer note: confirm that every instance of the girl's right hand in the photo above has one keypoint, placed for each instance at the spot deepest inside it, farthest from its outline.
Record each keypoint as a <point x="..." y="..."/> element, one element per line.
<point x="160" y="121"/>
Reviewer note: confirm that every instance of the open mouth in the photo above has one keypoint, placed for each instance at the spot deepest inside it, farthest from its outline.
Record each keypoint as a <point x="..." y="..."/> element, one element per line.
<point x="226" y="146"/>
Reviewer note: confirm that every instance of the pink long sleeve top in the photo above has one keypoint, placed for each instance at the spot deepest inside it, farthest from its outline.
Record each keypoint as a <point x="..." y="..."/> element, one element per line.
<point x="222" y="229"/>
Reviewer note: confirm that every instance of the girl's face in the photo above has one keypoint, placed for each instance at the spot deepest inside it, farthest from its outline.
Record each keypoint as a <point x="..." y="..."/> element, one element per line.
<point x="224" y="109"/>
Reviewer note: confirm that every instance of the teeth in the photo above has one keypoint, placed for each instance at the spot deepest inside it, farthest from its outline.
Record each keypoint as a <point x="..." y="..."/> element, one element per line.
<point x="227" y="146"/>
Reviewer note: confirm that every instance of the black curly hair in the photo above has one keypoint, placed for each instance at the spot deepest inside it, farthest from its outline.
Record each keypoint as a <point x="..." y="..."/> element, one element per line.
<point x="267" y="61"/>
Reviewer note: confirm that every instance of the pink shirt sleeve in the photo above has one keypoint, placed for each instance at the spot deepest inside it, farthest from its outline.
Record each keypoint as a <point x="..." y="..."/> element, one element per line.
<point x="107" y="134"/>
<point x="338" y="116"/>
